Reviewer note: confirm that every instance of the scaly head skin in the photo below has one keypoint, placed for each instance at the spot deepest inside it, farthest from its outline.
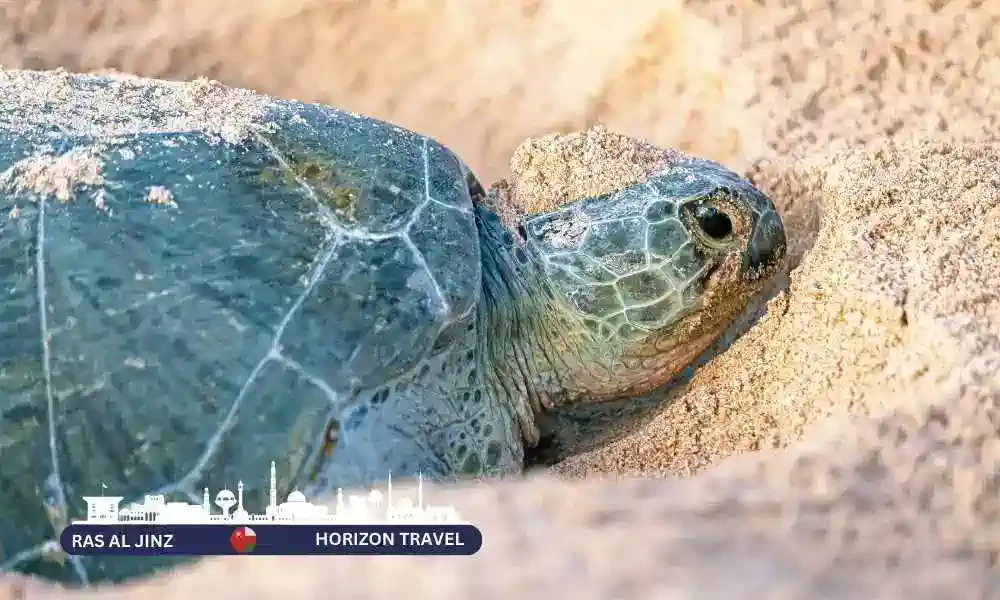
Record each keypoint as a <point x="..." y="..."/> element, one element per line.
<point x="612" y="296"/>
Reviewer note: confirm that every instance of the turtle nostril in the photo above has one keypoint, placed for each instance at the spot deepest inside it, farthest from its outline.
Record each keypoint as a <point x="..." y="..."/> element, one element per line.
<point x="714" y="223"/>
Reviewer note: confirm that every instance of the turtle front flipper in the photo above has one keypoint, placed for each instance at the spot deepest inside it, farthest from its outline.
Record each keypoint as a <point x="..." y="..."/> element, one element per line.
<point x="438" y="420"/>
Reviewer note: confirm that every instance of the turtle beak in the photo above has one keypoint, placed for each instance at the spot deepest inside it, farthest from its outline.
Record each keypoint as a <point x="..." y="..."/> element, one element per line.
<point x="767" y="247"/>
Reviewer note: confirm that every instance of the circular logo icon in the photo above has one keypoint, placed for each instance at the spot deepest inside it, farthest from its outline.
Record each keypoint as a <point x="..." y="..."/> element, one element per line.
<point x="243" y="540"/>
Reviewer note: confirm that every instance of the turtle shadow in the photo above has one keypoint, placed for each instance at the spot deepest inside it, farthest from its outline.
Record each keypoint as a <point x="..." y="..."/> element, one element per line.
<point x="572" y="430"/>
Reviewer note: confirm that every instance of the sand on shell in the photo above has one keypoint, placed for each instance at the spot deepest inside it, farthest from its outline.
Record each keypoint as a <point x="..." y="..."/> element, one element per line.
<point x="847" y="445"/>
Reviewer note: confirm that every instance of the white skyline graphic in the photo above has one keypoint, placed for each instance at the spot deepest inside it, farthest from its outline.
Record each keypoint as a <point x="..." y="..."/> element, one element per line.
<point x="364" y="509"/>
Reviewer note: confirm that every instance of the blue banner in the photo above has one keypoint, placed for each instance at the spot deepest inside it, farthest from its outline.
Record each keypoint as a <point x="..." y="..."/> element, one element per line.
<point x="204" y="540"/>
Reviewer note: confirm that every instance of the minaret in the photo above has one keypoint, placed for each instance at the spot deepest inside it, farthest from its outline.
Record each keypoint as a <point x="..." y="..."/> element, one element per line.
<point x="205" y="505"/>
<point x="274" y="490"/>
<point x="239" y="492"/>
<point x="420" y="492"/>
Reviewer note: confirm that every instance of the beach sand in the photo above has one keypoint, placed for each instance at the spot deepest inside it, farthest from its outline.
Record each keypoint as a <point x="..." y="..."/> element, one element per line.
<point x="847" y="445"/>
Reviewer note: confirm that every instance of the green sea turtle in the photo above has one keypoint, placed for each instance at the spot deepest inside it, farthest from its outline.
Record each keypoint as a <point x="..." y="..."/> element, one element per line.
<point x="199" y="280"/>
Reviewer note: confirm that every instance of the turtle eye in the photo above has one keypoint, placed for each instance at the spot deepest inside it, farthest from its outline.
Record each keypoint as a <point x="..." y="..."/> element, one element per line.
<point x="709" y="222"/>
<point x="715" y="223"/>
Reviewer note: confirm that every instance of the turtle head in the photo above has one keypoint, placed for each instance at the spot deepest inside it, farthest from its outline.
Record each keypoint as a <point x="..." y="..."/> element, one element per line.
<point x="649" y="276"/>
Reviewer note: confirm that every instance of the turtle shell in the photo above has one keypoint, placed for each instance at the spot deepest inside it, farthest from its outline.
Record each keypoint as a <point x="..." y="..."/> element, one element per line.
<point x="194" y="278"/>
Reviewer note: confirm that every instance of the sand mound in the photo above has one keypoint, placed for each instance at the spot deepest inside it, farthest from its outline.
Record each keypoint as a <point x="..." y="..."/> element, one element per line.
<point x="869" y="123"/>
<point x="549" y="171"/>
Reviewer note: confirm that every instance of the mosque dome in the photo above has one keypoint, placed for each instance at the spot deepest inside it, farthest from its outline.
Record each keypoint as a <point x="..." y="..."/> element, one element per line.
<point x="296" y="496"/>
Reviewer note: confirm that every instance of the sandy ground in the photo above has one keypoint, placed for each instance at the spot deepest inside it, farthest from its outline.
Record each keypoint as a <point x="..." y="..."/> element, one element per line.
<point x="847" y="445"/>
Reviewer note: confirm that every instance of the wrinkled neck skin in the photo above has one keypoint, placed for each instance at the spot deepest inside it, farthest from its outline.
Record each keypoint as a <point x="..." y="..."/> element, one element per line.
<point x="538" y="354"/>
<point x="519" y="339"/>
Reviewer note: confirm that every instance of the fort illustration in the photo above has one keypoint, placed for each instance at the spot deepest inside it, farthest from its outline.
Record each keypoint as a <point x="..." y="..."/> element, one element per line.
<point x="371" y="508"/>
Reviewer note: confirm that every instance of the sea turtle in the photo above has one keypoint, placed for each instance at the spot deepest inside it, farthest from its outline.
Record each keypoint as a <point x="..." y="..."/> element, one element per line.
<point x="199" y="280"/>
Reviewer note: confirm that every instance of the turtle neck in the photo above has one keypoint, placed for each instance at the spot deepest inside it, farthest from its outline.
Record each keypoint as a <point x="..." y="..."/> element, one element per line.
<point x="521" y="334"/>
